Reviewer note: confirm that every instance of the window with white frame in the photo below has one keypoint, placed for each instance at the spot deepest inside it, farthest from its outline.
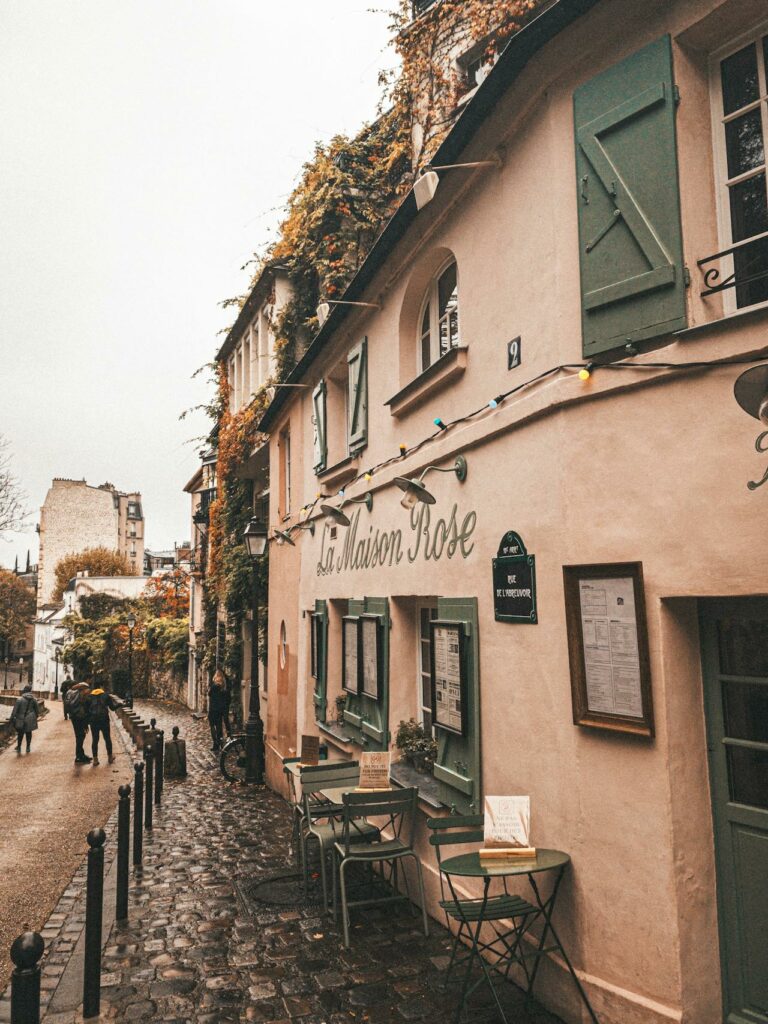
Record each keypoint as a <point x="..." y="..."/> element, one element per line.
<point x="439" y="319"/>
<point x="424" y="697"/>
<point x="740" y="95"/>
<point x="285" y="475"/>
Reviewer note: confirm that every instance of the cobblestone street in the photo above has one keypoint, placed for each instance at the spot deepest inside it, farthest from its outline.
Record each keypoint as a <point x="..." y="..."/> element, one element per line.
<point x="196" y="948"/>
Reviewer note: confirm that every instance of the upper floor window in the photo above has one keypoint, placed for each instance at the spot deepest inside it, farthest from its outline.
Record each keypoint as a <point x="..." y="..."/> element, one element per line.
<point x="741" y="91"/>
<point x="285" y="472"/>
<point x="439" y="320"/>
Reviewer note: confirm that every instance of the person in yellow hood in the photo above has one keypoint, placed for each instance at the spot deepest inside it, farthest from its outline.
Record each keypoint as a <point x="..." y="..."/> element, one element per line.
<point x="101" y="703"/>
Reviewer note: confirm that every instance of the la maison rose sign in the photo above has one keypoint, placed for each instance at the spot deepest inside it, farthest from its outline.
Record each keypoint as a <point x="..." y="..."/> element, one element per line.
<point x="429" y="538"/>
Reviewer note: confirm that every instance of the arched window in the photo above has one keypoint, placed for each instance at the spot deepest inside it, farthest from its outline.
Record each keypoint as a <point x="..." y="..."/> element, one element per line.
<point x="439" y="320"/>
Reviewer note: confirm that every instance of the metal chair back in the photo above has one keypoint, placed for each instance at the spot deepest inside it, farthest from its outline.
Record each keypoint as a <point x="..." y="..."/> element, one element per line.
<point x="453" y="830"/>
<point x="328" y="775"/>
<point x="397" y="806"/>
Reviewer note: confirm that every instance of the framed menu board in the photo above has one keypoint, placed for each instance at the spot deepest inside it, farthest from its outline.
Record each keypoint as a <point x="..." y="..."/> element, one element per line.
<point x="608" y="647"/>
<point x="449" y="676"/>
<point x="370" y="650"/>
<point x="350" y="653"/>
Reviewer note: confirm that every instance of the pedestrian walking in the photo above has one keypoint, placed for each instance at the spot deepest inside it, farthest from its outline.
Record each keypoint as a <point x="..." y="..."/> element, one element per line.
<point x="66" y="686"/>
<point x="101" y="703"/>
<point x="24" y="717"/>
<point x="217" y="708"/>
<point x="78" y="708"/>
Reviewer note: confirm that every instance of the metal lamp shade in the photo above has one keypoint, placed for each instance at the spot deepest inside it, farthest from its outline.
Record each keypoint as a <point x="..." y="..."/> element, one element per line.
<point x="255" y="538"/>
<point x="334" y="516"/>
<point x="322" y="312"/>
<point x="414" y="491"/>
<point x="131" y="622"/>
<point x="751" y="392"/>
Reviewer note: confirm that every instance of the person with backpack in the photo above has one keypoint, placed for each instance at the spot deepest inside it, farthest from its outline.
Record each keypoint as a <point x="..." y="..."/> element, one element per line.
<point x="78" y="708"/>
<point x="101" y="703"/>
<point x="24" y="717"/>
<point x="66" y="686"/>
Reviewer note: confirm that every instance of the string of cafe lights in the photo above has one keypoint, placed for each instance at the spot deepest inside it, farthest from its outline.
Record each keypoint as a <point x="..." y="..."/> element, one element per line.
<point x="584" y="372"/>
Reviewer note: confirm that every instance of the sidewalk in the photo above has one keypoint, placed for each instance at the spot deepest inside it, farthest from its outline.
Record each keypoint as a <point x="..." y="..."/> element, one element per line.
<point x="47" y="807"/>
<point x="200" y="947"/>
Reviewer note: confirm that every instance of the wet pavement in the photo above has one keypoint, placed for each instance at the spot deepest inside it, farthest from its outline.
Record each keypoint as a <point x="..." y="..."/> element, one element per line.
<point x="205" y="943"/>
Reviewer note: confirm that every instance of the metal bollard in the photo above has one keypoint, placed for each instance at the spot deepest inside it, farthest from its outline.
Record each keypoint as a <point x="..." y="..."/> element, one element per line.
<point x="26" y="951"/>
<point x="149" y="760"/>
<point x="94" y="898"/>
<point x="159" y="767"/>
<point x="123" y="838"/>
<point x="138" y="812"/>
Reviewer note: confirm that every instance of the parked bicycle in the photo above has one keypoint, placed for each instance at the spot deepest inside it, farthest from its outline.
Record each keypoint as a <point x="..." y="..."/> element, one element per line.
<point x="232" y="760"/>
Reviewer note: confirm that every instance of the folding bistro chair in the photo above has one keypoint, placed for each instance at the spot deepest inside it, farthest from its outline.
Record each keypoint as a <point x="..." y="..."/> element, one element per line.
<point x="398" y="807"/>
<point x="321" y="819"/>
<point x="504" y="947"/>
<point x="296" y="803"/>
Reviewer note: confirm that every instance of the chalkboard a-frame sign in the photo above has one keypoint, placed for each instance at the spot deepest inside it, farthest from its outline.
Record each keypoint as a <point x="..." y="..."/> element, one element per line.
<point x="514" y="581"/>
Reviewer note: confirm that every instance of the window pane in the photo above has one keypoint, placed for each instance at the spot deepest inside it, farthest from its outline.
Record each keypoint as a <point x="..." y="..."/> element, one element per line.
<point x="743" y="647"/>
<point x="739" y="78"/>
<point x="745" y="710"/>
<point x="748" y="776"/>
<point x="447" y="292"/>
<point x="749" y="212"/>
<point x="744" y="143"/>
<point x="426" y="691"/>
<point x="752" y="261"/>
<point x="426" y="339"/>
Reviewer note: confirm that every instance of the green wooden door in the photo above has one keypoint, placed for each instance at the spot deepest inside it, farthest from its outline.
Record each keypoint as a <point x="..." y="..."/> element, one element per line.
<point x="734" y="639"/>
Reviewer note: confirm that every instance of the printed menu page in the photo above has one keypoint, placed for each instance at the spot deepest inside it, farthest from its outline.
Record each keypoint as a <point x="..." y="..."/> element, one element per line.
<point x="370" y="657"/>
<point x="310" y="749"/>
<point x="611" y="655"/>
<point x="350" y="656"/>
<point x="507" y="822"/>
<point x="374" y="769"/>
<point x="447" y="654"/>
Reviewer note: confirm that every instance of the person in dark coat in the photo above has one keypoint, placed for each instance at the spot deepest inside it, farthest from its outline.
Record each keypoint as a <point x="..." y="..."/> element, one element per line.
<point x="79" y="710"/>
<point x="217" y="708"/>
<point x="101" y="703"/>
<point x="24" y="717"/>
<point x="66" y="686"/>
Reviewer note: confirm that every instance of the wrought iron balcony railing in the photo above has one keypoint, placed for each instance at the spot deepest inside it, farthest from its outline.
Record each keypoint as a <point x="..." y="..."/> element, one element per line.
<point x="744" y="266"/>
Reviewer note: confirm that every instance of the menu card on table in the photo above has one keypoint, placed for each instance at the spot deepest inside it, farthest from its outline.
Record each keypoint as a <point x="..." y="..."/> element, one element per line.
<point x="310" y="750"/>
<point x="507" y="828"/>
<point x="374" y="769"/>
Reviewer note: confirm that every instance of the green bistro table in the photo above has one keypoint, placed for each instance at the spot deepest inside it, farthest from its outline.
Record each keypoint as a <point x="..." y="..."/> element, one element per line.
<point x="471" y="914"/>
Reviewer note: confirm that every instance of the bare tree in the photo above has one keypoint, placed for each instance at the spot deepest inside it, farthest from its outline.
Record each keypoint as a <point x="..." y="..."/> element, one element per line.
<point x="12" y="509"/>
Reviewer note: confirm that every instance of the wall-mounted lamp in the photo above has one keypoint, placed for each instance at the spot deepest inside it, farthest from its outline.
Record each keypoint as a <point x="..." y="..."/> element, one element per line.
<point x="272" y="389"/>
<point x="751" y="392"/>
<point x="284" y="536"/>
<point x="425" y="186"/>
<point x="335" y="517"/>
<point x="324" y="309"/>
<point x="416" y="491"/>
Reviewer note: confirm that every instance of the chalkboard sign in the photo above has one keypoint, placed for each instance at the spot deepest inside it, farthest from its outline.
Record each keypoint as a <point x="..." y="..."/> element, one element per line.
<point x="350" y="653"/>
<point x="514" y="581"/>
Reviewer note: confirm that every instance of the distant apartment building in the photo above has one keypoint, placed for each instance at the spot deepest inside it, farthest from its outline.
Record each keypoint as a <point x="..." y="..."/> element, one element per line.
<point x="76" y="516"/>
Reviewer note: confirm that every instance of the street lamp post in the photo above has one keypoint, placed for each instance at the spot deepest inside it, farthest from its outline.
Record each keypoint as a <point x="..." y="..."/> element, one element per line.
<point x="255" y="538"/>
<point x="56" y="681"/>
<point x="129" y="692"/>
<point x="5" y="681"/>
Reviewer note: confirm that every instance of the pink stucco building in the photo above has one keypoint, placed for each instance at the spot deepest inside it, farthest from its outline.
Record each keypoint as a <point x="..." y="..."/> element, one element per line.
<point x="555" y="320"/>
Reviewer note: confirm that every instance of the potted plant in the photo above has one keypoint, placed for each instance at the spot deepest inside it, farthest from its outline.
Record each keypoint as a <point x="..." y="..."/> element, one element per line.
<point x="341" y="702"/>
<point x="416" y="746"/>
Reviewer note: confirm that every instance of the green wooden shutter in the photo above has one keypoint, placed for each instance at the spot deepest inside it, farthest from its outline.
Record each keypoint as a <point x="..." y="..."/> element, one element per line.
<point x="357" y="421"/>
<point x="630" y="239"/>
<point x="320" y="640"/>
<point x="457" y="768"/>
<point x="320" y="422"/>
<point x="367" y="720"/>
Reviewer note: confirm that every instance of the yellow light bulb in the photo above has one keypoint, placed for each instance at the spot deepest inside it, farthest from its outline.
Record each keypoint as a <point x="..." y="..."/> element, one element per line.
<point x="584" y="374"/>
<point x="368" y="476"/>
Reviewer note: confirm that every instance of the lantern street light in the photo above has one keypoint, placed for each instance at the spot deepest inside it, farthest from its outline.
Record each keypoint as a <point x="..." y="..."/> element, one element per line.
<point x="57" y="656"/>
<point x="129" y="692"/>
<point x="255" y="538"/>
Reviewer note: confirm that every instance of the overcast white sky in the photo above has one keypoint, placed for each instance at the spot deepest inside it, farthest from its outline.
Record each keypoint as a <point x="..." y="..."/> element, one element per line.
<point x="143" y="148"/>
